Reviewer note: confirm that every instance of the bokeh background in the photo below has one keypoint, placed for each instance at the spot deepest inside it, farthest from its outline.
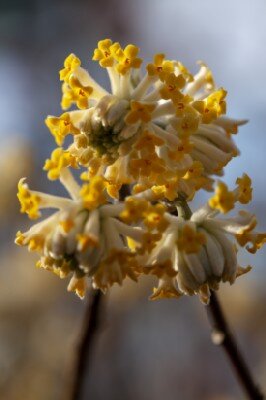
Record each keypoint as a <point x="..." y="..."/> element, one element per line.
<point x="146" y="350"/>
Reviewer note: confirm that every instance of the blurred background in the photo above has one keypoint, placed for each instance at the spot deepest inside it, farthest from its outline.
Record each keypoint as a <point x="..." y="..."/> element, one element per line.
<point x="146" y="350"/>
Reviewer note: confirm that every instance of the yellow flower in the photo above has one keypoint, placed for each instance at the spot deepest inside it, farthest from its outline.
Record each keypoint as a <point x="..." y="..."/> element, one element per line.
<point x="148" y="141"/>
<point x="190" y="241"/>
<point x="256" y="240"/>
<point x="183" y="105"/>
<point x="59" y="159"/>
<point x="160" y="67"/>
<point x="106" y="53"/>
<point x="154" y="217"/>
<point x="29" y="201"/>
<point x="171" y="89"/>
<point x="76" y="93"/>
<point x="60" y="127"/>
<point x="70" y="64"/>
<point x="195" y="171"/>
<point x="183" y="148"/>
<point x="223" y="200"/>
<point x="134" y="209"/>
<point x="148" y="166"/>
<point x="35" y="243"/>
<point x="139" y="112"/>
<point x="244" y="190"/>
<point x="94" y="194"/>
<point x="127" y="59"/>
<point x="169" y="190"/>
<point x="187" y="125"/>
<point x="212" y="107"/>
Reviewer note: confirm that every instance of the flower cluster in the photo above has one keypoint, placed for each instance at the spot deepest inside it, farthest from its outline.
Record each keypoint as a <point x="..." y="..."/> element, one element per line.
<point x="159" y="136"/>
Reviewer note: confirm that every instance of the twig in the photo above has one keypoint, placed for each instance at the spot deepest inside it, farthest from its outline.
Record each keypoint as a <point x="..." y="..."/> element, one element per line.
<point x="85" y="345"/>
<point x="222" y="336"/>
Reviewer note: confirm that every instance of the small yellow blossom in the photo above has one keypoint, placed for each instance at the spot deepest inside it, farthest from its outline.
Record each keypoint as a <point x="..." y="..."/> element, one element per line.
<point x="160" y="67"/>
<point x="106" y="53"/>
<point x="256" y="241"/>
<point x="223" y="200"/>
<point x="187" y="125"/>
<point x="93" y="193"/>
<point x="244" y="190"/>
<point x="29" y="202"/>
<point x="212" y="107"/>
<point x="76" y="93"/>
<point x="134" y="209"/>
<point x="59" y="159"/>
<point x="35" y="243"/>
<point x="169" y="190"/>
<point x="154" y="217"/>
<point x="147" y="166"/>
<point x="190" y="241"/>
<point x="183" y="148"/>
<point x="60" y="127"/>
<point x="139" y="112"/>
<point x="70" y="64"/>
<point x="172" y="88"/>
<point x="183" y="105"/>
<point x="127" y="59"/>
<point x="148" y="142"/>
<point x="195" y="170"/>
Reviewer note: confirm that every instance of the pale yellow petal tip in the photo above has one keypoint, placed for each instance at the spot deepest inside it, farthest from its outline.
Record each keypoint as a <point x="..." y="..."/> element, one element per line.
<point x="243" y="270"/>
<point x="161" y="293"/>
<point x="78" y="285"/>
<point x="19" y="240"/>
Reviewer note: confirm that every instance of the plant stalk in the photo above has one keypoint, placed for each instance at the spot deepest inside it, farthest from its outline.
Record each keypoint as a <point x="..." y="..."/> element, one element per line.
<point x="222" y="336"/>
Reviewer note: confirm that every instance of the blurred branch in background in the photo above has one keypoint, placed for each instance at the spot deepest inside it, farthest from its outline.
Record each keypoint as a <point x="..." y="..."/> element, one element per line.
<point x="90" y="328"/>
<point x="222" y="336"/>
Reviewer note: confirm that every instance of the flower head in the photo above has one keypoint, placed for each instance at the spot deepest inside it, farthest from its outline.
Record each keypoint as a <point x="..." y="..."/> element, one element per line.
<point x="168" y="102"/>
<point x="162" y="136"/>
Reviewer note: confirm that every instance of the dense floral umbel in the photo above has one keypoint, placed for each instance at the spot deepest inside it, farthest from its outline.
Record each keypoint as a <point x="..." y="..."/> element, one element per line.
<point x="162" y="136"/>
<point x="89" y="237"/>
<point x="166" y="124"/>
<point x="84" y="237"/>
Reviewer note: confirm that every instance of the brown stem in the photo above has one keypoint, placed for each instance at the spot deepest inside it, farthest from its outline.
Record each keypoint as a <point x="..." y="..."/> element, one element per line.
<point x="86" y="341"/>
<point x="222" y="336"/>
